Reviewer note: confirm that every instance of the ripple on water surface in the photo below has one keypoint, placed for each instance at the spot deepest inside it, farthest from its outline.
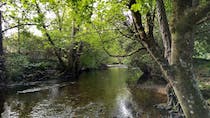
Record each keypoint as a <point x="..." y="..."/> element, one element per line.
<point x="98" y="94"/>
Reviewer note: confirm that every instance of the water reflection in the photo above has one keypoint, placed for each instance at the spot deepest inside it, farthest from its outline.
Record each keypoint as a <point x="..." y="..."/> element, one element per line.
<point x="99" y="94"/>
<point x="125" y="104"/>
<point x="54" y="92"/>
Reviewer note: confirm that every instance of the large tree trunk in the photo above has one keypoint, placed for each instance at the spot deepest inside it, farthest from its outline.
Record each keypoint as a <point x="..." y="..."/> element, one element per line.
<point x="178" y="68"/>
<point x="189" y="96"/>
<point x="74" y="53"/>
<point x="184" y="83"/>
<point x="2" y="68"/>
<point x="1" y="37"/>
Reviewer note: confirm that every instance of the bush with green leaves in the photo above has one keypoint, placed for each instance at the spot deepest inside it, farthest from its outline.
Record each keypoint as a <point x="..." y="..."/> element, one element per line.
<point x="15" y="65"/>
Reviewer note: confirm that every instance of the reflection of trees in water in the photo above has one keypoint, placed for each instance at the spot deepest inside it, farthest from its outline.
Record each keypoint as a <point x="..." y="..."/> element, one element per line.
<point x="99" y="94"/>
<point x="21" y="104"/>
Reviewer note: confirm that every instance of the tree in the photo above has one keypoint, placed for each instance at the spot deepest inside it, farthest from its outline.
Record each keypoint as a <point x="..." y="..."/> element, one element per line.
<point x="1" y="37"/>
<point x="1" y="52"/>
<point x="175" y="60"/>
<point x="62" y="30"/>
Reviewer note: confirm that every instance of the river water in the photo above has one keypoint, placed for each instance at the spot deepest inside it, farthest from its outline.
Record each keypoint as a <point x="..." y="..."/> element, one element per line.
<point x="97" y="94"/>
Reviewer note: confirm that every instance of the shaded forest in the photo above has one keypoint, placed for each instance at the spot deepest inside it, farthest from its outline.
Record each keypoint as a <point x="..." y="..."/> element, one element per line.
<point x="167" y="41"/>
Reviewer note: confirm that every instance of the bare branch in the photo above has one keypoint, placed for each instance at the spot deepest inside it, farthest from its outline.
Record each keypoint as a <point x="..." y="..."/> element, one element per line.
<point x="4" y="19"/>
<point x="203" y="20"/>
<point x="197" y="14"/>
<point x="111" y="55"/>
<point x="125" y="55"/>
<point x="12" y="27"/>
<point x="2" y="4"/>
<point x="123" y="34"/>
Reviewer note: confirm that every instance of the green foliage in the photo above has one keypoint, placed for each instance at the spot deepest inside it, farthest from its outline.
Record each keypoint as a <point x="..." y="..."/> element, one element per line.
<point x="26" y="43"/>
<point x="202" y="41"/>
<point x="15" y="65"/>
<point x="98" y="23"/>
<point x="143" y="5"/>
<point x="93" y="58"/>
<point x="44" y="65"/>
<point x="201" y="49"/>
<point x="103" y="25"/>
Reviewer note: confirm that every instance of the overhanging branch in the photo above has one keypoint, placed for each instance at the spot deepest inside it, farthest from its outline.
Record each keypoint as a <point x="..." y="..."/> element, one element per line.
<point x="49" y="37"/>
<point x="125" y="55"/>
<point x="12" y="27"/>
<point x="111" y="55"/>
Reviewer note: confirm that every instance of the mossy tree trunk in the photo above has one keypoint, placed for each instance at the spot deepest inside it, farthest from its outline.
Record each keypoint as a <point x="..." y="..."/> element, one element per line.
<point x="74" y="51"/>
<point x="184" y="83"/>
<point x="175" y="61"/>
<point x="1" y="37"/>
<point x="2" y="68"/>
<point x="74" y="54"/>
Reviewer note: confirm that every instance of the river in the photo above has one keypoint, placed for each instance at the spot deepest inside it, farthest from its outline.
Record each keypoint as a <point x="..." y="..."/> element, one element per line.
<point x="97" y="94"/>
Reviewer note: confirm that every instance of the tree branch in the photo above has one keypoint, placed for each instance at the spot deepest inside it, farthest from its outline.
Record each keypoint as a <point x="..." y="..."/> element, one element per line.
<point x="123" y="34"/>
<point x="12" y="27"/>
<point x="1" y="37"/>
<point x="203" y="20"/>
<point x="150" y="22"/>
<point x="164" y="28"/>
<point x="49" y="37"/>
<point x="138" y="25"/>
<point x="125" y="55"/>
<point x="197" y="14"/>
<point x="111" y="55"/>
<point x="2" y="4"/>
<point x="151" y="46"/>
